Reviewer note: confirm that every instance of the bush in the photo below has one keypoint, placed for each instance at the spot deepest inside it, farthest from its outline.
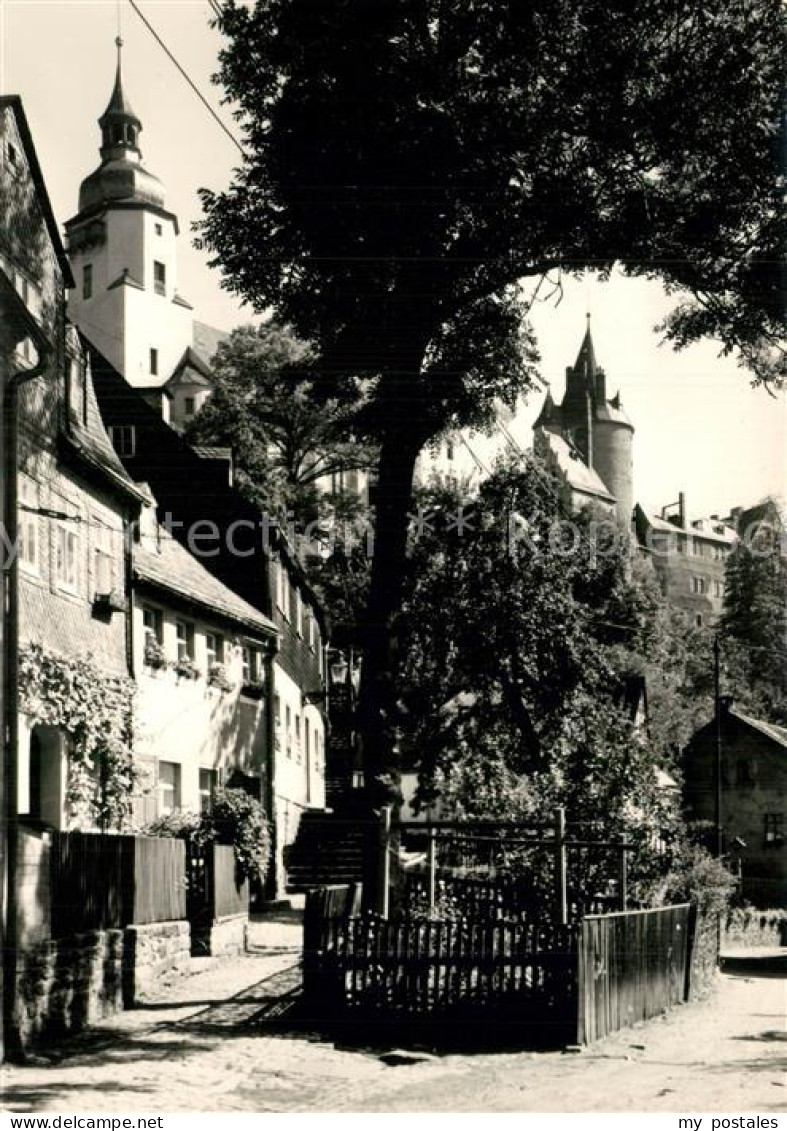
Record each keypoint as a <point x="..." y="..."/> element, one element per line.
<point x="235" y="818"/>
<point x="698" y="878"/>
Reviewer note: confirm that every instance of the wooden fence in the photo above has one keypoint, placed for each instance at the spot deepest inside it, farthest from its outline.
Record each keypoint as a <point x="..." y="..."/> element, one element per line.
<point x="102" y="881"/>
<point x="582" y="981"/>
<point x="632" y="966"/>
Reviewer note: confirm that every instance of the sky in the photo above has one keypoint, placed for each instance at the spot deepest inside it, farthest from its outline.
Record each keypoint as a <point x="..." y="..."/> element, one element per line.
<point x="700" y="427"/>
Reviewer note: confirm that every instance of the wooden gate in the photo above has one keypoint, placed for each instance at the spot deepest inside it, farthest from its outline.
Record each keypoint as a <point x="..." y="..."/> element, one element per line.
<point x="632" y="966"/>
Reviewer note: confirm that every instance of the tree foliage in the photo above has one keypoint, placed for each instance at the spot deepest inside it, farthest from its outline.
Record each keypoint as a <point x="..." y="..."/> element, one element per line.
<point x="409" y="162"/>
<point x="263" y="406"/>
<point x="754" y="624"/>
<point x="516" y="643"/>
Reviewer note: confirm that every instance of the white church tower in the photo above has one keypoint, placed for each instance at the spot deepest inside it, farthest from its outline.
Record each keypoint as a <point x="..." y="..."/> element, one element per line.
<point x="123" y="249"/>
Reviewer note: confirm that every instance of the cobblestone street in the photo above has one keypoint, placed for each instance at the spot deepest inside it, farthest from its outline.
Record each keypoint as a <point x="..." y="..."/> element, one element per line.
<point x="220" y="1041"/>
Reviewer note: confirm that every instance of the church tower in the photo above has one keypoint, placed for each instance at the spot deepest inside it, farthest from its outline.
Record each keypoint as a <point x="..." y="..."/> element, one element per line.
<point x="122" y="244"/>
<point x="597" y="429"/>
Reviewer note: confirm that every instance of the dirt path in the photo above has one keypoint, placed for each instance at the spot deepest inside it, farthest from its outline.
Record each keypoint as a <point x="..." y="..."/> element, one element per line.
<point x="211" y="1043"/>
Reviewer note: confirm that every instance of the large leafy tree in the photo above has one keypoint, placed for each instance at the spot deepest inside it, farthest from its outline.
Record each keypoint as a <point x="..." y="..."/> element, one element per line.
<point x="284" y="439"/>
<point x="523" y="636"/>
<point x="409" y="162"/>
<point x="754" y="623"/>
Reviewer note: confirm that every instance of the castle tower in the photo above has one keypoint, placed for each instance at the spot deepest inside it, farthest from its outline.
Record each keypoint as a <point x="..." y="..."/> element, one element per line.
<point x="596" y="428"/>
<point x="122" y="244"/>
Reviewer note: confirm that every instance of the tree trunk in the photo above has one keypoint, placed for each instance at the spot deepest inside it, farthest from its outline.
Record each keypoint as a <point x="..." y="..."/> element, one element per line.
<point x="376" y="714"/>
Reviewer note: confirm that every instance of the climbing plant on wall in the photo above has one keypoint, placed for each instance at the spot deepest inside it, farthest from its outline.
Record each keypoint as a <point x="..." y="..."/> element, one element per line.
<point x="96" y="713"/>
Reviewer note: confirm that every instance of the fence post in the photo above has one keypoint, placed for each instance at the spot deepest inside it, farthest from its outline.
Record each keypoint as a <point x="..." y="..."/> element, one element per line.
<point x="624" y="879"/>
<point x="560" y="867"/>
<point x="384" y="864"/>
<point x="432" y="872"/>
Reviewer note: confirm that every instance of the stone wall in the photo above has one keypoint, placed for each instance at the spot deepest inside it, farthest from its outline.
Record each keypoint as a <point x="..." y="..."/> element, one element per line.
<point x="65" y="984"/>
<point x="154" y="953"/>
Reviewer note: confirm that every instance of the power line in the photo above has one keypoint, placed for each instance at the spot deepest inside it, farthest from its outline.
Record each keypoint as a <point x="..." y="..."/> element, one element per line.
<point x="186" y="76"/>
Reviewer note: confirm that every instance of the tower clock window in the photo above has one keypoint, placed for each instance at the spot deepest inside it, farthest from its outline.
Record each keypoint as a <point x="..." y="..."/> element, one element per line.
<point x="159" y="278"/>
<point x="87" y="281"/>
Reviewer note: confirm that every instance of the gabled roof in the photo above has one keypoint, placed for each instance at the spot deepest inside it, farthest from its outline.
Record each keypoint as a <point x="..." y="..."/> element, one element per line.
<point x="13" y="103"/>
<point x="176" y="572"/>
<point x="727" y="537"/>
<point x="775" y="733"/>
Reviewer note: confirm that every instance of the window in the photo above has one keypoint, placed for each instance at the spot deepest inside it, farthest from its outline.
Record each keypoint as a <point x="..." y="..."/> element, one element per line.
<point x="277" y="721"/>
<point x="124" y="439"/>
<point x="312" y="633"/>
<point x="12" y="154"/>
<point x="298" y="737"/>
<point x="699" y="585"/>
<point x="152" y="625"/>
<point x="288" y="730"/>
<point x="449" y="450"/>
<point x="28" y="526"/>
<point x="103" y="574"/>
<point x="168" y="787"/>
<point x="185" y="638"/>
<point x="774" y="828"/>
<point x="214" y="647"/>
<point x="154" y="362"/>
<point x="189" y="407"/>
<point x="208" y="780"/>
<point x="698" y="620"/>
<point x="718" y="588"/>
<point x="159" y="230"/>
<point x="87" y="281"/>
<point x="746" y="773"/>
<point x="159" y="278"/>
<point x="283" y="590"/>
<point x="696" y="547"/>
<point x="66" y="557"/>
<point x="681" y="545"/>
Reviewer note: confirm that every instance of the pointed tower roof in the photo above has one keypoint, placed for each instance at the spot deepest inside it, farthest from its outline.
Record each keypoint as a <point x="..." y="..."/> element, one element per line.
<point x="119" y="106"/>
<point x="550" y="413"/>
<point x="586" y="358"/>
<point x="120" y="176"/>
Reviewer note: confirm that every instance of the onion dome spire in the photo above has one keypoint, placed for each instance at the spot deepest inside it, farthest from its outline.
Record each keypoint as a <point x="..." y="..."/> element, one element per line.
<point x="120" y="126"/>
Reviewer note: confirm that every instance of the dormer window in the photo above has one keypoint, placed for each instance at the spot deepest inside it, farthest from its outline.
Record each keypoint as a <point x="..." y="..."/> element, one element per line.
<point x="124" y="439"/>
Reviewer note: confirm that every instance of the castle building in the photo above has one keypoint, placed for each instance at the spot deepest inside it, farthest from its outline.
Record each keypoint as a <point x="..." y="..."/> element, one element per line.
<point x="689" y="556"/>
<point x="588" y="438"/>
<point x="123" y="248"/>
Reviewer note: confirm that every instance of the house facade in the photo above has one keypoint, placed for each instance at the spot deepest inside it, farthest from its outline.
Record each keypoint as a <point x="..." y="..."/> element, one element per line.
<point x="246" y="551"/>
<point x="689" y="557"/>
<point x="202" y="661"/>
<point x="753" y="798"/>
<point x="74" y="502"/>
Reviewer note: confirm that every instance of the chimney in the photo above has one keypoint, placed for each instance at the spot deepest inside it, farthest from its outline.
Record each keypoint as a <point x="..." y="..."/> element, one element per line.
<point x="682" y="508"/>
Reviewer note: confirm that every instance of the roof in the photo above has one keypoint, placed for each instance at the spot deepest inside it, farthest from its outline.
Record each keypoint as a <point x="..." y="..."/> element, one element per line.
<point x="174" y="570"/>
<point x="119" y="106"/>
<point x="86" y="438"/>
<point x="207" y="339"/>
<point x="574" y="469"/>
<point x="770" y="730"/>
<point x="13" y="103"/>
<point x="700" y="531"/>
<point x="586" y="358"/>
<point x="613" y="411"/>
